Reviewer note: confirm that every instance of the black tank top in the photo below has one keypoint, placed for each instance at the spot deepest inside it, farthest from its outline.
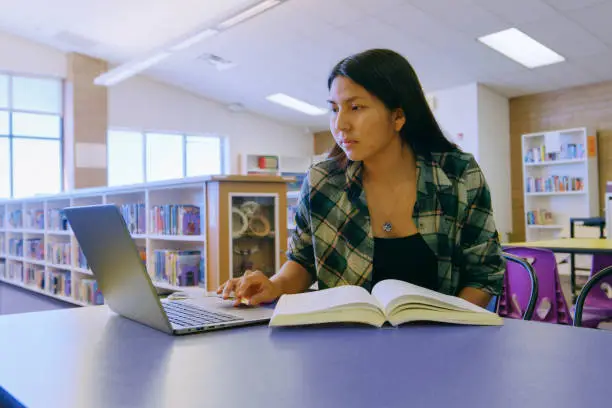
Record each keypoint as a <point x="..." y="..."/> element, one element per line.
<point x="409" y="259"/>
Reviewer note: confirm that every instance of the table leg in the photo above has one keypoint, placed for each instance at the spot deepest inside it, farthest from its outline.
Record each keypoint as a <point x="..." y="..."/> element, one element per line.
<point x="573" y="277"/>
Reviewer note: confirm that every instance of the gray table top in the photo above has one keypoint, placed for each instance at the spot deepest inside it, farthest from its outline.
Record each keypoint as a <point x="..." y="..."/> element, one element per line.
<point x="93" y="358"/>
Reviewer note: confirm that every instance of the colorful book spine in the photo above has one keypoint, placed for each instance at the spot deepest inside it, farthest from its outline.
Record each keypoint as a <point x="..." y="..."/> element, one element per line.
<point x="34" y="248"/>
<point x="539" y="217"/>
<point x="87" y="291"/>
<point x="179" y="268"/>
<point x="59" y="253"/>
<point x="569" y="151"/>
<point x="59" y="283"/>
<point x="35" y="276"/>
<point x="15" y="219"/>
<point x="56" y="220"/>
<point x="554" y="184"/>
<point x="15" y="247"/>
<point x="174" y="219"/>
<point x="135" y="217"/>
<point x="34" y="219"/>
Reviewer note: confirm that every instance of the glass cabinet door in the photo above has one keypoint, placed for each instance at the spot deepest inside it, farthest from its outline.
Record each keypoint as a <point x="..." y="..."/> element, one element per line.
<point x="253" y="229"/>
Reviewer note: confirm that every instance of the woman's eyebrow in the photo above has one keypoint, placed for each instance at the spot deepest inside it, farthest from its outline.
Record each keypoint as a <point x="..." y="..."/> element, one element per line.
<point x="351" y="99"/>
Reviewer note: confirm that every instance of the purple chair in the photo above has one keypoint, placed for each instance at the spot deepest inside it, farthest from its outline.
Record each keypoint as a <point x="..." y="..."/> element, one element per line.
<point x="551" y="306"/>
<point x="598" y="299"/>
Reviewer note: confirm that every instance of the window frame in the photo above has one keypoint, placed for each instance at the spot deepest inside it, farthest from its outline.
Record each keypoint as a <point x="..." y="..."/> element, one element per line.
<point x="222" y="149"/>
<point x="11" y="137"/>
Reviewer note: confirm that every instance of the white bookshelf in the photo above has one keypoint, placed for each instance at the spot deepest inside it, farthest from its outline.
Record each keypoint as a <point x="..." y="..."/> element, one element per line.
<point x="184" y="191"/>
<point x="560" y="179"/>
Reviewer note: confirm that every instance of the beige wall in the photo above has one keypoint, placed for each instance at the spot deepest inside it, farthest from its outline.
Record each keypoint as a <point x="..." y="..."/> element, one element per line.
<point x="589" y="105"/>
<point x="85" y="124"/>
<point x="323" y="142"/>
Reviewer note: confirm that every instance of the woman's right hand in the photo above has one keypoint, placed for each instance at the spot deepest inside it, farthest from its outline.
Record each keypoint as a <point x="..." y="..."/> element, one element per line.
<point x="253" y="286"/>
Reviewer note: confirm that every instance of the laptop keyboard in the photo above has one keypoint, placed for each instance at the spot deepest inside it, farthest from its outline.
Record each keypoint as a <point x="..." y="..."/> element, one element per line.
<point x="185" y="314"/>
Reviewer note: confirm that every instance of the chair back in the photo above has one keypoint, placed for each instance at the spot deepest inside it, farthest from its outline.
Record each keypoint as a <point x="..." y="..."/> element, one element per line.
<point x="523" y="281"/>
<point x="600" y="295"/>
<point x="593" y="282"/>
<point x="551" y="305"/>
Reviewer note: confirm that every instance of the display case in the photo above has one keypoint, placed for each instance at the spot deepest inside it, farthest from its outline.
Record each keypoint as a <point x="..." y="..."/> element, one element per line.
<point x="247" y="226"/>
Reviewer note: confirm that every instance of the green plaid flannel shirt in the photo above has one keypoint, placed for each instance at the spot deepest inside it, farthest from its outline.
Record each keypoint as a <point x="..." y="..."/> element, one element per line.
<point x="333" y="237"/>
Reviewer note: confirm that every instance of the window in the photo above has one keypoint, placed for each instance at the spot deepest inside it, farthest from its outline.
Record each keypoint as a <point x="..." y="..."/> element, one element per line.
<point x="164" y="157"/>
<point x="203" y="155"/>
<point x="135" y="157"/>
<point x="125" y="158"/>
<point x="30" y="136"/>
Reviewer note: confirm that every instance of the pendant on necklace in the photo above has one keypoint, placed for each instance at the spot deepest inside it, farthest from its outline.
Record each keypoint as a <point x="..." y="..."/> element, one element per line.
<point x="387" y="227"/>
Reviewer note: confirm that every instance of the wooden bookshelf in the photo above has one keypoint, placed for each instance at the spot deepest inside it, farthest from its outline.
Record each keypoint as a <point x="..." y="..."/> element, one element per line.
<point x="33" y="237"/>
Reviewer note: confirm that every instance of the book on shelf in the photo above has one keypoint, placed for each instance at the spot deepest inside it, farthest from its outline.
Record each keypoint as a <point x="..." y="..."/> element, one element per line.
<point x="540" y="217"/>
<point x="392" y="301"/>
<point x="34" y="219"/>
<point x="554" y="184"/>
<point x="179" y="267"/>
<point x="179" y="219"/>
<point x="568" y="151"/>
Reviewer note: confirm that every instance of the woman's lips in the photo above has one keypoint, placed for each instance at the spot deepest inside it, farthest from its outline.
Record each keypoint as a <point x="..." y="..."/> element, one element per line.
<point x="348" y="143"/>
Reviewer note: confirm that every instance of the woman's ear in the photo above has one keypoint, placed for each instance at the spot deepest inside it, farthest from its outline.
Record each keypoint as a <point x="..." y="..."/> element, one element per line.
<point x="399" y="119"/>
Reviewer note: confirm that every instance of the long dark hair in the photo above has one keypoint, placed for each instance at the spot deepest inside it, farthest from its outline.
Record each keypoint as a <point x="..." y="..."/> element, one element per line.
<point x="390" y="77"/>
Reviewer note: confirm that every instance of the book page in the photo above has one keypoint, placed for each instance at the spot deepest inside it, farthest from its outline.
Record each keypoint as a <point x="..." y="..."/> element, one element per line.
<point x="391" y="293"/>
<point x="320" y="300"/>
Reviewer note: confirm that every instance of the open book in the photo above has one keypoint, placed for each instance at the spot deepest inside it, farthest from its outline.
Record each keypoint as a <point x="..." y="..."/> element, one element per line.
<point x="392" y="301"/>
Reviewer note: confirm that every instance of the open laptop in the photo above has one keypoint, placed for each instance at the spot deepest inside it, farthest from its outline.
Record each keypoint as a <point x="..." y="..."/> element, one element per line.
<point x="126" y="285"/>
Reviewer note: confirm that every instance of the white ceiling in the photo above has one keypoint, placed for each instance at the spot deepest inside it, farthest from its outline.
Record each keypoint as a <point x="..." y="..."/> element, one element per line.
<point x="292" y="47"/>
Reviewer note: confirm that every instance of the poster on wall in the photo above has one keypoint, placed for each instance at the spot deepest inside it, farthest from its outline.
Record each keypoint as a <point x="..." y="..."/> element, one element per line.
<point x="591" y="146"/>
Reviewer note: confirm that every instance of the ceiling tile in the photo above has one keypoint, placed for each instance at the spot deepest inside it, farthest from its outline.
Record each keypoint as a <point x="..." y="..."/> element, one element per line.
<point x="518" y="11"/>
<point x="463" y="15"/>
<point x="564" y="36"/>
<point x="596" y="19"/>
<point x="336" y="13"/>
<point x="567" y="74"/>
<point x="412" y="22"/>
<point x="520" y="83"/>
<point x="566" y="5"/>
<point x="599" y="65"/>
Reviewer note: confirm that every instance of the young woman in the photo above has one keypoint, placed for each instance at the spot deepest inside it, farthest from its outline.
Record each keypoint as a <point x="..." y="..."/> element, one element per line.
<point x="395" y="199"/>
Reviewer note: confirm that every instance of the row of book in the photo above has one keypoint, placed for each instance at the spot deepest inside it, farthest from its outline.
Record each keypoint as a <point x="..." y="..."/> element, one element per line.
<point x="34" y="248"/>
<point x="12" y="271"/>
<point x="15" y="219"/>
<point x="135" y="216"/>
<point x="59" y="253"/>
<point x="87" y="291"/>
<point x="34" y="275"/>
<point x="179" y="267"/>
<point x="34" y="219"/>
<point x="15" y="247"/>
<point x="540" y="217"/>
<point x="569" y="151"/>
<point x="554" y="184"/>
<point x="82" y="261"/>
<point x="60" y="283"/>
<point x="56" y="220"/>
<point x="179" y="219"/>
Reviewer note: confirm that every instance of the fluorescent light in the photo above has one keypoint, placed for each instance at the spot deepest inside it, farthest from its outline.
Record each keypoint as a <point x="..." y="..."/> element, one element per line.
<point x="123" y="72"/>
<point x="521" y="48"/>
<point x="194" y="39"/>
<point x="292" y="103"/>
<point x="248" y="13"/>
